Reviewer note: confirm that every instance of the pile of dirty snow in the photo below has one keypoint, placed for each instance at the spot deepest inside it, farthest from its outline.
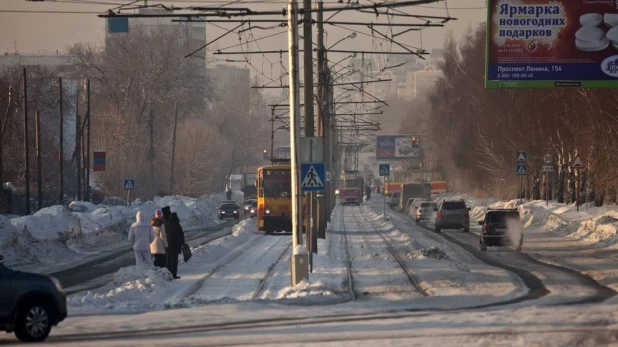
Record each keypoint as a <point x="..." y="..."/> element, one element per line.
<point x="305" y="289"/>
<point x="132" y="288"/>
<point x="429" y="253"/>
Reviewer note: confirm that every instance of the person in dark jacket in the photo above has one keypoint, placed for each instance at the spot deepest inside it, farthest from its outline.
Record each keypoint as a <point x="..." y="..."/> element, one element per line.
<point x="175" y="240"/>
<point x="368" y="192"/>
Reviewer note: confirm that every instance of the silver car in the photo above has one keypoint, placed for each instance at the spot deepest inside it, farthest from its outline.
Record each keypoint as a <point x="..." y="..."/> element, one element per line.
<point x="425" y="211"/>
<point x="452" y="214"/>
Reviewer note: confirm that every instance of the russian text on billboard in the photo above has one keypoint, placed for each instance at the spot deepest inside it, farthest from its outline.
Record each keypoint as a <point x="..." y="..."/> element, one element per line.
<point x="549" y="43"/>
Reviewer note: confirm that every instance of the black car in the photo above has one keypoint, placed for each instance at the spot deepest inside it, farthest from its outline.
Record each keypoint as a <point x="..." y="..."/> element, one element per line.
<point x="501" y="227"/>
<point x="229" y="210"/>
<point x="30" y="304"/>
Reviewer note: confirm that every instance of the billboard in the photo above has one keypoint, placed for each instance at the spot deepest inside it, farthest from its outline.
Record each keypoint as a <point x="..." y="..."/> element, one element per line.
<point x="397" y="147"/>
<point x="552" y="43"/>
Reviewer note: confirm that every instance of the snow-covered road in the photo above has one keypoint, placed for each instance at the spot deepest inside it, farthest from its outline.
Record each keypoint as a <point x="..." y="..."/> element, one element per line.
<point x="410" y="287"/>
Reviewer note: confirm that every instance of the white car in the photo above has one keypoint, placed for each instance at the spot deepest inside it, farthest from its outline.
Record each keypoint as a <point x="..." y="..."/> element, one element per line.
<point x="425" y="211"/>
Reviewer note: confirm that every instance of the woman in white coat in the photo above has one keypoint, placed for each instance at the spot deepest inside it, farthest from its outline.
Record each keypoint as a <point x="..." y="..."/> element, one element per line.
<point x="141" y="236"/>
<point x="158" y="246"/>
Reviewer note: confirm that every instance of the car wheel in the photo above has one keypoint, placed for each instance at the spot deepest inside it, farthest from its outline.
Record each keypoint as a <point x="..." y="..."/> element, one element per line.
<point x="437" y="229"/>
<point x="33" y="322"/>
<point x="466" y="230"/>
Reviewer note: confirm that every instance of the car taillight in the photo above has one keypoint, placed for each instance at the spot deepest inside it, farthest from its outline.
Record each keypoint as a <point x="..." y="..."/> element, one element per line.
<point x="439" y="215"/>
<point x="485" y="229"/>
<point x="467" y="213"/>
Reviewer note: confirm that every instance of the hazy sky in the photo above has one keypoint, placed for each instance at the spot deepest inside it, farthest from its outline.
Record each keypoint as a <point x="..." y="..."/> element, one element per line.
<point x="32" y="33"/>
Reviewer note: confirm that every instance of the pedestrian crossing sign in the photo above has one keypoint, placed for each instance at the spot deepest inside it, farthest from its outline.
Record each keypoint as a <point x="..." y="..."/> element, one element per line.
<point x="385" y="170"/>
<point x="129" y="184"/>
<point x="522" y="169"/>
<point x="313" y="176"/>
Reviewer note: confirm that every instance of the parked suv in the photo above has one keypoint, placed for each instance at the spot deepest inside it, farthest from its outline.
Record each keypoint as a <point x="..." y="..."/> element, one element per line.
<point x="501" y="228"/>
<point x="30" y="304"/>
<point x="452" y="214"/>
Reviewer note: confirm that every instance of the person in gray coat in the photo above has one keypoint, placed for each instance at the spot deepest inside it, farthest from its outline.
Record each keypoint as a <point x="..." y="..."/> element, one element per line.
<point x="141" y="236"/>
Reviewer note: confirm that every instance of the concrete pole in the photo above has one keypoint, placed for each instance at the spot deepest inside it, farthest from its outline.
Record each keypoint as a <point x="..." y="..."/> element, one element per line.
<point x="294" y="121"/>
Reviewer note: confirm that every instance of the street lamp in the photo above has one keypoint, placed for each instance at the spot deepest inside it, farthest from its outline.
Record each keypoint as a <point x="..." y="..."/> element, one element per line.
<point x="351" y="36"/>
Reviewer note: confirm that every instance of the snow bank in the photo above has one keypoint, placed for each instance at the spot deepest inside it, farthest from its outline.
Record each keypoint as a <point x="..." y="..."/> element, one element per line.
<point x="58" y="234"/>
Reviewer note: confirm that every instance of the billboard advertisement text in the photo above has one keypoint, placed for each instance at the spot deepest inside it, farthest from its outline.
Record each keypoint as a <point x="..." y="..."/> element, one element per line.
<point x="552" y="43"/>
<point x="396" y="147"/>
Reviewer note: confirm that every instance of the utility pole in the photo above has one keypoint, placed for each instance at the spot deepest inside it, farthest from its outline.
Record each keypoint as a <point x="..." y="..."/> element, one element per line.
<point x="89" y="115"/>
<point x="299" y="266"/>
<point x="61" y="147"/>
<point x="322" y="122"/>
<point x="309" y="120"/>
<point x="26" y="147"/>
<point x="173" y="148"/>
<point x="272" y="132"/>
<point x="2" y="128"/>
<point x="78" y="147"/>
<point x="39" y="172"/>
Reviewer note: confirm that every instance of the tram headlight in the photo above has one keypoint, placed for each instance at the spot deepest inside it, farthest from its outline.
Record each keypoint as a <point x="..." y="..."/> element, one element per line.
<point x="267" y="211"/>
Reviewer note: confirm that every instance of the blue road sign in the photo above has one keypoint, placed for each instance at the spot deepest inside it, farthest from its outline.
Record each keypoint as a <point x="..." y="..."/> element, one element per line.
<point x="313" y="176"/>
<point x="522" y="156"/>
<point x="522" y="169"/>
<point x="129" y="184"/>
<point x="385" y="170"/>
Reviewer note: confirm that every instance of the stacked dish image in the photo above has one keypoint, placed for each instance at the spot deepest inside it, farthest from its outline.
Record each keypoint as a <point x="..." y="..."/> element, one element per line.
<point x="591" y="37"/>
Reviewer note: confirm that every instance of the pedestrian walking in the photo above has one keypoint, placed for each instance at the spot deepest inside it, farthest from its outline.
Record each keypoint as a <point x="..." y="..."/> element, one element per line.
<point x="175" y="240"/>
<point x="141" y="236"/>
<point x="158" y="246"/>
<point x="368" y="192"/>
<point x="228" y="194"/>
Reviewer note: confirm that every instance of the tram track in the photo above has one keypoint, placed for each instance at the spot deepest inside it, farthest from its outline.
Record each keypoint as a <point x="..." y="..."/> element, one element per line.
<point x="413" y="280"/>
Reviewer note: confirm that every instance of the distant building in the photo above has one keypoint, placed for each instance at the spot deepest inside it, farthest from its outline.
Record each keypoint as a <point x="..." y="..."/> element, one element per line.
<point x="55" y="61"/>
<point x="195" y="32"/>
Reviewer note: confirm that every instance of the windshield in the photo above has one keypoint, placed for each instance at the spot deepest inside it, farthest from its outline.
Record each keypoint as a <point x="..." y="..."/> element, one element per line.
<point x="502" y="217"/>
<point x="228" y="206"/>
<point x="454" y="205"/>
<point x="428" y="205"/>
<point x="277" y="183"/>
<point x="352" y="183"/>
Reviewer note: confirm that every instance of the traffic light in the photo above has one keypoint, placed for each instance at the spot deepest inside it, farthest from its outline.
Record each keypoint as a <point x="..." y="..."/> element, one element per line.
<point x="414" y="142"/>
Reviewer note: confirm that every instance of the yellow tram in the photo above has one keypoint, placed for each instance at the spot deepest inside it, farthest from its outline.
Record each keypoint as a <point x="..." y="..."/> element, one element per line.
<point x="274" y="188"/>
